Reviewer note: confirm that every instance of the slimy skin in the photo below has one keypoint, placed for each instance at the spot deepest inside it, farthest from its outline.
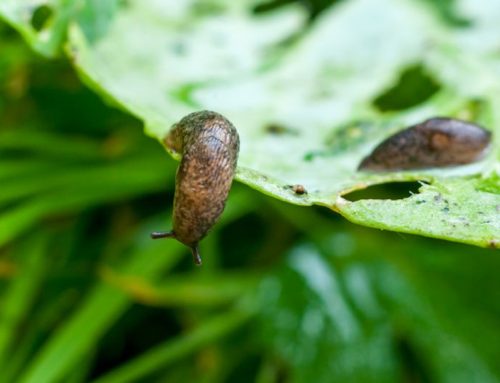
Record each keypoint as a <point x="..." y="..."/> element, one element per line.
<point x="209" y="145"/>
<point x="437" y="142"/>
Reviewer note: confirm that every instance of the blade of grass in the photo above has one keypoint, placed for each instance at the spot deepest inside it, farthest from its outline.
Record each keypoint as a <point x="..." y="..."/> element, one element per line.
<point x="104" y="305"/>
<point x="268" y="372"/>
<point x="45" y="319"/>
<point x="51" y="144"/>
<point x="186" y="290"/>
<point x="173" y="350"/>
<point x="80" y="374"/>
<point x="17" y="168"/>
<point x="75" y="178"/>
<point x="102" y="187"/>
<point x="21" y="292"/>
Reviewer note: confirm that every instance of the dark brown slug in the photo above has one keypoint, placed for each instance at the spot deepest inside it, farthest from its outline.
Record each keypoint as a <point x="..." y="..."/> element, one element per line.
<point x="209" y="145"/>
<point x="437" y="142"/>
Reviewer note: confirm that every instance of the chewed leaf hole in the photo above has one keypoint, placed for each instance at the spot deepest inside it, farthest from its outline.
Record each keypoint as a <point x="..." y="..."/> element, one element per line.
<point x="391" y="190"/>
<point x="413" y="87"/>
<point x="314" y="8"/>
<point x="447" y="10"/>
<point x="40" y="17"/>
<point x="278" y="129"/>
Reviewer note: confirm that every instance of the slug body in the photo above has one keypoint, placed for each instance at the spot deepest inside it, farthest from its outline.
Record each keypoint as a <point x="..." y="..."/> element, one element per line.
<point x="209" y="145"/>
<point x="437" y="142"/>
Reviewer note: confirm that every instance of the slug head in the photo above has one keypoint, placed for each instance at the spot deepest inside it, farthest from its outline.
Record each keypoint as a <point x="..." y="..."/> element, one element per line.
<point x="174" y="139"/>
<point x="190" y="126"/>
<point x="459" y="136"/>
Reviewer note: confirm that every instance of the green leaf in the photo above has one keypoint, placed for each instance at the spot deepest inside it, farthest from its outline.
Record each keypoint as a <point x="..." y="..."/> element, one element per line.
<point x="310" y="103"/>
<point x="457" y="210"/>
<point x="43" y="23"/>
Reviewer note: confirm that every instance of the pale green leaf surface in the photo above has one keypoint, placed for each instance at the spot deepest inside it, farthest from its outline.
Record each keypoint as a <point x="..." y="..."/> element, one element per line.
<point x="162" y="60"/>
<point x="456" y="210"/>
<point x="47" y="38"/>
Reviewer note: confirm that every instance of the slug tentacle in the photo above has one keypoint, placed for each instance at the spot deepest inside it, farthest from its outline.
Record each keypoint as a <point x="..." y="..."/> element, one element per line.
<point x="209" y="146"/>
<point x="196" y="255"/>
<point x="162" y="234"/>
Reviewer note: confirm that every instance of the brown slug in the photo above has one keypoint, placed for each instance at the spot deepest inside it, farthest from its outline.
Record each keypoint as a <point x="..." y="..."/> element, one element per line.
<point x="436" y="142"/>
<point x="209" y="145"/>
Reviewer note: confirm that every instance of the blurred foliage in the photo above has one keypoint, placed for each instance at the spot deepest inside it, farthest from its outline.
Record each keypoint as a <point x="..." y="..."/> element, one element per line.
<point x="286" y="293"/>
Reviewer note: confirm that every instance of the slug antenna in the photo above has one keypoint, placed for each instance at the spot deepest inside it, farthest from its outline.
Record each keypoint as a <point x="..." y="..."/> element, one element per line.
<point x="196" y="255"/>
<point x="162" y="234"/>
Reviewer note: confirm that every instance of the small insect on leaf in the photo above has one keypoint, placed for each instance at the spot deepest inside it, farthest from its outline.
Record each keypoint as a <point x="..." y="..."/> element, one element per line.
<point x="299" y="189"/>
<point x="437" y="142"/>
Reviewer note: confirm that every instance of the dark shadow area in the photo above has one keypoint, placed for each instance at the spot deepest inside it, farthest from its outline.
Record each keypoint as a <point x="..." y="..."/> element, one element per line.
<point x="390" y="190"/>
<point x="121" y="343"/>
<point x="413" y="368"/>
<point x="60" y="99"/>
<point x="245" y="371"/>
<point x="242" y="240"/>
<point x="414" y="87"/>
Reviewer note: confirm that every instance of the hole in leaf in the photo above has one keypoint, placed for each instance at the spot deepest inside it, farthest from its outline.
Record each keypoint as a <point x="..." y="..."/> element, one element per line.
<point x="316" y="7"/>
<point x="40" y="17"/>
<point x="390" y="190"/>
<point x="414" y="87"/>
<point x="268" y="6"/>
<point x="447" y="11"/>
<point x="278" y="129"/>
<point x="313" y="7"/>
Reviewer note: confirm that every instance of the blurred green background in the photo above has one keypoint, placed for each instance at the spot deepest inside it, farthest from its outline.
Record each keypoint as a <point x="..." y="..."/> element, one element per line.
<point x="286" y="294"/>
